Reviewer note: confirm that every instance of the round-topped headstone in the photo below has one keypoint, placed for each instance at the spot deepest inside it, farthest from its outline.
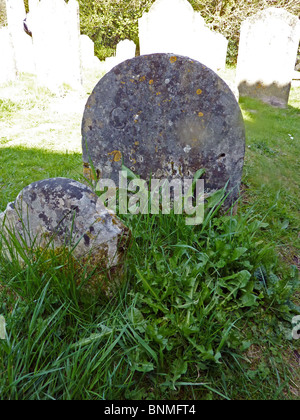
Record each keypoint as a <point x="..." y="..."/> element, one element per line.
<point x="165" y="116"/>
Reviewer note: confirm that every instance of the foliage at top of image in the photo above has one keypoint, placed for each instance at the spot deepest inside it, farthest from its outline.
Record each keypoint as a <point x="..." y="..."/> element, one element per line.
<point x="109" y="21"/>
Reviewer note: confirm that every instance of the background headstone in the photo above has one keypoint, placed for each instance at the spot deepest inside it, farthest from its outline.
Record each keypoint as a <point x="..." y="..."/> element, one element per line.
<point x="8" y="70"/>
<point x="56" y="39"/>
<point x="125" y="51"/>
<point x="168" y="116"/>
<point x="87" y="51"/>
<point x="172" y="26"/>
<point x="22" y="43"/>
<point x="267" y="55"/>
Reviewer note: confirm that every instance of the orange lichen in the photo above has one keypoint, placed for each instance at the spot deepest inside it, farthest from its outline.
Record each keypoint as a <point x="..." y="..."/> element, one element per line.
<point x="173" y="59"/>
<point x="199" y="91"/>
<point x="151" y="82"/>
<point x="200" y="114"/>
<point x="117" y="155"/>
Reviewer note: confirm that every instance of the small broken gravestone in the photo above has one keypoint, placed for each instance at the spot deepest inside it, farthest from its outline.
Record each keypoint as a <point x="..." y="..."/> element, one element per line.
<point x="59" y="213"/>
<point x="166" y="116"/>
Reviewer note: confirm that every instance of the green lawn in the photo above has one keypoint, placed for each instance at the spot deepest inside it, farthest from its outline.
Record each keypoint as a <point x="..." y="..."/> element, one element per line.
<point x="205" y="312"/>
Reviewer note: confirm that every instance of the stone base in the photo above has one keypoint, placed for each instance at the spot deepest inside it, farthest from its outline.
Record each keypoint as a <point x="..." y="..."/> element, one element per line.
<point x="274" y="95"/>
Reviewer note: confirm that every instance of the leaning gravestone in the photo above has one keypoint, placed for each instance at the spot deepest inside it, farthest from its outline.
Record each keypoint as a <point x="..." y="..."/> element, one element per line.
<point x="267" y="54"/>
<point x="58" y="213"/>
<point x="168" y="116"/>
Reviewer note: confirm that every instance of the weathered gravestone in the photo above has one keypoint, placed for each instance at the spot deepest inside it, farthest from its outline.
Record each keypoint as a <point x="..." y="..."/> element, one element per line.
<point x="168" y="116"/>
<point x="56" y="39"/>
<point x="58" y="213"/>
<point x="267" y="54"/>
<point x="22" y="43"/>
<point x="172" y="26"/>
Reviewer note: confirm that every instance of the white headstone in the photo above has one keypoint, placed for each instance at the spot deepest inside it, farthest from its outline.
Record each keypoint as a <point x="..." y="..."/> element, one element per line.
<point x="267" y="55"/>
<point x="126" y="50"/>
<point x="172" y="26"/>
<point x="8" y="71"/>
<point x="87" y="50"/>
<point x="56" y="41"/>
<point x="22" y="43"/>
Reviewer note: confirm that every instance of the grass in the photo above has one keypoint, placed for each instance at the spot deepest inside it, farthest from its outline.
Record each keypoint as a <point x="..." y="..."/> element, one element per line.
<point x="271" y="174"/>
<point x="205" y="312"/>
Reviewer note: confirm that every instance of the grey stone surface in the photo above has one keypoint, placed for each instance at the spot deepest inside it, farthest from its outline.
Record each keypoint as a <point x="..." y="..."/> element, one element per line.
<point x="66" y="213"/>
<point x="168" y="116"/>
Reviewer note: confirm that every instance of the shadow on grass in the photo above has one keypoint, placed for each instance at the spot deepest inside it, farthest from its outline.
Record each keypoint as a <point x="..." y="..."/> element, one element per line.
<point x="20" y="167"/>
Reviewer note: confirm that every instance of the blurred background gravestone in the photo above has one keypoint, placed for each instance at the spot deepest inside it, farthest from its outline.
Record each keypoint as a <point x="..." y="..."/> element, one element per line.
<point x="267" y="55"/>
<point x="126" y="50"/>
<point x="172" y="26"/>
<point x="8" y="70"/>
<point x="56" y="39"/>
<point x="168" y="116"/>
<point x="22" y="43"/>
<point x="87" y="52"/>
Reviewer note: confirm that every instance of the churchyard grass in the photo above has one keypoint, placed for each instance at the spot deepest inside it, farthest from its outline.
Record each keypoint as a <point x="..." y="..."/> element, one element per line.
<point x="189" y="322"/>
